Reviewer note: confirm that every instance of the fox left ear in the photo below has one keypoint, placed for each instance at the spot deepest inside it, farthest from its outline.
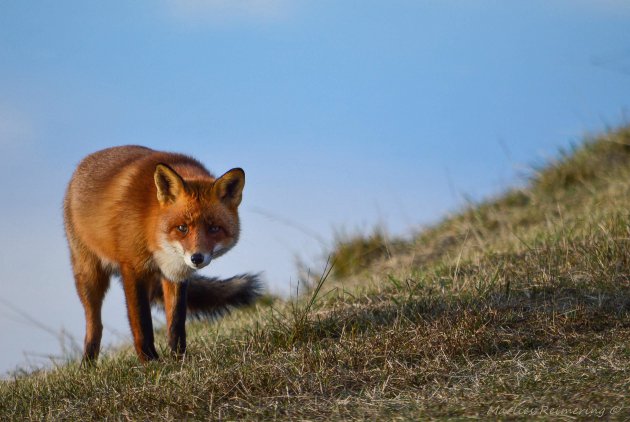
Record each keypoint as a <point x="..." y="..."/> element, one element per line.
<point x="169" y="184"/>
<point x="229" y="187"/>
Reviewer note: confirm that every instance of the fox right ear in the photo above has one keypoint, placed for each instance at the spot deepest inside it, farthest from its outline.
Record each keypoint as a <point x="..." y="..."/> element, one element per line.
<point x="169" y="184"/>
<point x="229" y="187"/>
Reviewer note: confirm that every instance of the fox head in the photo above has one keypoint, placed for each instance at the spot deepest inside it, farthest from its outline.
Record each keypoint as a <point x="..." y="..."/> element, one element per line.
<point x="197" y="220"/>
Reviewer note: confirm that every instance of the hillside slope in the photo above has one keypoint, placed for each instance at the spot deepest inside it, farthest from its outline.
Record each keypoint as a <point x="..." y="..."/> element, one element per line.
<point x="516" y="308"/>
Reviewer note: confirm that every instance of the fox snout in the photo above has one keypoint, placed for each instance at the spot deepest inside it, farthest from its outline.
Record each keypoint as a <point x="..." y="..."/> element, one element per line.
<point x="199" y="260"/>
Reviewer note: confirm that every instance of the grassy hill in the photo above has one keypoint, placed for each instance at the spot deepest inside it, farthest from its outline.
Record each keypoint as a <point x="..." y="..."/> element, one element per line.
<point x="515" y="308"/>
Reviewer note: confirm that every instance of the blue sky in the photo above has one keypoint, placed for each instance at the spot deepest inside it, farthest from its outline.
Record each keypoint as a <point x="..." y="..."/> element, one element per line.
<point x="343" y="114"/>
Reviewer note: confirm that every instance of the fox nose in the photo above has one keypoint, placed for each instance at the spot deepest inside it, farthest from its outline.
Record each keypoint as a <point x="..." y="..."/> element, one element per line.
<point x="197" y="258"/>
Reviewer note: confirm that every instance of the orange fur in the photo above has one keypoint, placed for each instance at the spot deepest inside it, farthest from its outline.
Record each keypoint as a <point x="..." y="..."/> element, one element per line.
<point x="154" y="218"/>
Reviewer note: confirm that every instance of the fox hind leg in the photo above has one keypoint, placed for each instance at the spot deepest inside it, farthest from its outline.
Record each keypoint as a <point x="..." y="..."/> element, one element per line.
<point x="92" y="282"/>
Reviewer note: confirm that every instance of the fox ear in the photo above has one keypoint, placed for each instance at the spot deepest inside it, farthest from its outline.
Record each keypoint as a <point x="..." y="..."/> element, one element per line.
<point x="229" y="187"/>
<point x="169" y="184"/>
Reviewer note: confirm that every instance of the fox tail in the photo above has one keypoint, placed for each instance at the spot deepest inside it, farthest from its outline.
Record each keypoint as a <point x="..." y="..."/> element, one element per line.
<point x="210" y="297"/>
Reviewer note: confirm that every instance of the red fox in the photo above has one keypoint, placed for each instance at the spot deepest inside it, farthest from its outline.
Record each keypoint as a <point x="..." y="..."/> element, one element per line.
<point x="153" y="218"/>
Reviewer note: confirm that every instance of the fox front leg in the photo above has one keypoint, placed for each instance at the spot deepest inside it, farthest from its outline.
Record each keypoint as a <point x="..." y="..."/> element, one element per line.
<point x="175" y="309"/>
<point x="139" y="313"/>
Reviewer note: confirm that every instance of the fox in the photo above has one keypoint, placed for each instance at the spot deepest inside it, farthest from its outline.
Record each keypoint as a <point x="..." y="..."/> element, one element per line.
<point x="153" y="218"/>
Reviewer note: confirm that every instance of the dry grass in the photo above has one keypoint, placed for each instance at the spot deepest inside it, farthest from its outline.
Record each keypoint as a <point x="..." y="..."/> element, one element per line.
<point x="518" y="308"/>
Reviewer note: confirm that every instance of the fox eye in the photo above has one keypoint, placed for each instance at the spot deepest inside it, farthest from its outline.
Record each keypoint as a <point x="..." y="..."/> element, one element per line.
<point x="183" y="228"/>
<point x="214" y="229"/>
